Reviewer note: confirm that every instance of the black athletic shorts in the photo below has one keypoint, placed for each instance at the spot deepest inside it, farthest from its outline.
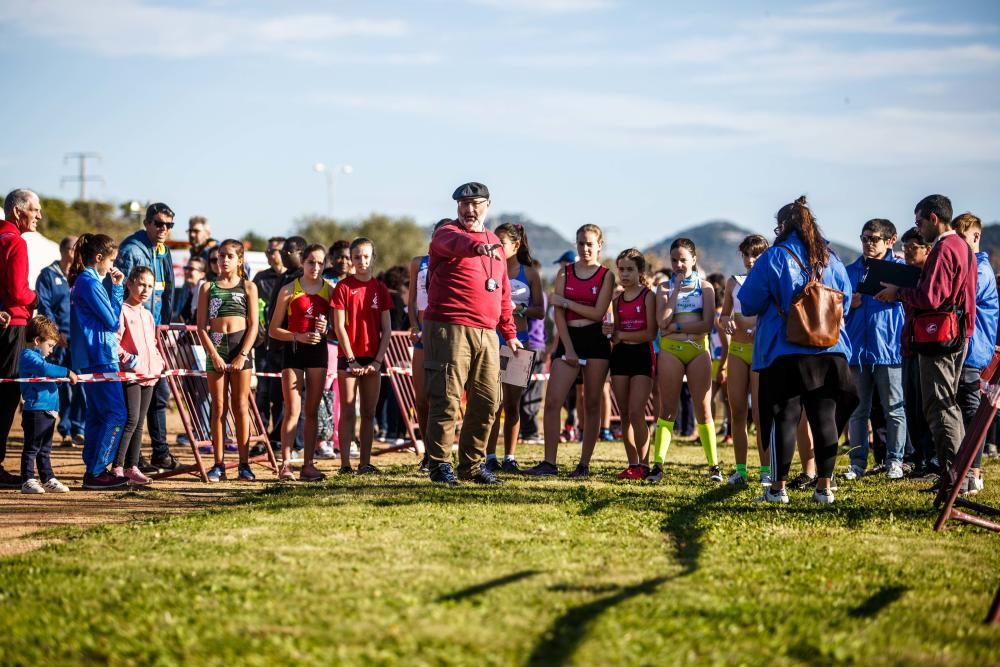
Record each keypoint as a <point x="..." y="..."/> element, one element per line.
<point x="303" y="356"/>
<point x="589" y="342"/>
<point x="633" y="359"/>
<point x="360" y="361"/>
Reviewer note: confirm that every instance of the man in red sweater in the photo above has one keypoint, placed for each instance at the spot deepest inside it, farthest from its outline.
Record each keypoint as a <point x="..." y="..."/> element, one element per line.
<point x="948" y="279"/>
<point x="468" y="299"/>
<point x="22" y="212"/>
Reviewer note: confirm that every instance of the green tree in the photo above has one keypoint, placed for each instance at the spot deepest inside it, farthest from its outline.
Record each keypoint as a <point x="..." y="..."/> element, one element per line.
<point x="256" y="241"/>
<point x="397" y="240"/>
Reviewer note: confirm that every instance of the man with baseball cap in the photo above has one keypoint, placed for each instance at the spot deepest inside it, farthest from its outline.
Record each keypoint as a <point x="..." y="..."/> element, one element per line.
<point x="468" y="300"/>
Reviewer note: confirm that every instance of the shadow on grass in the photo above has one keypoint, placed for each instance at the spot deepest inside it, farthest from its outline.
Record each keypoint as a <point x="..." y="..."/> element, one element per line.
<point x="884" y="597"/>
<point x="564" y="637"/>
<point x="476" y="589"/>
<point x="683" y="523"/>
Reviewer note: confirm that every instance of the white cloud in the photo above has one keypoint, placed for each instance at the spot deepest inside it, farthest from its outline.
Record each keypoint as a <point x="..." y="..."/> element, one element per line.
<point x="135" y="27"/>
<point x="884" y="136"/>
<point x="553" y="6"/>
<point x="859" y="19"/>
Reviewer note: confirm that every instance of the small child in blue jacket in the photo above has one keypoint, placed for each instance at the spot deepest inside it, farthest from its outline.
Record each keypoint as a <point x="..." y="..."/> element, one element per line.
<point x="41" y="406"/>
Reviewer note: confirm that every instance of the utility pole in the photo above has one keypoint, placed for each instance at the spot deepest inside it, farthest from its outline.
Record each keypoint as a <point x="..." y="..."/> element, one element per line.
<point x="82" y="176"/>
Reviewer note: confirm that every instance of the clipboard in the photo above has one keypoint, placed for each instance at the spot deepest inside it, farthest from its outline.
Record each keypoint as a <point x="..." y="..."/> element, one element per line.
<point x="878" y="271"/>
<point x="515" y="368"/>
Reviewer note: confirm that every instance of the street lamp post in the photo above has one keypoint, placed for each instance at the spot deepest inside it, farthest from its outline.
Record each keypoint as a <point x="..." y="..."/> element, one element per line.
<point x="330" y="172"/>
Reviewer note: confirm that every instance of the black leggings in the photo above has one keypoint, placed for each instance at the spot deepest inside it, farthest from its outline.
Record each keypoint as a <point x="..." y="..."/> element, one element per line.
<point x="137" y="400"/>
<point x="821" y="386"/>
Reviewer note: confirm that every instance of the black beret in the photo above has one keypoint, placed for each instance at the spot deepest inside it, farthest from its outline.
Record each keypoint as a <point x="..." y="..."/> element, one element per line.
<point x="471" y="191"/>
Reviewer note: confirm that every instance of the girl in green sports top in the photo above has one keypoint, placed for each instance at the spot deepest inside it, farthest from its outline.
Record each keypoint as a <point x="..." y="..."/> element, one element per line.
<point x="742" y="380"/>
<point x="685" y="312"/>
<point x="227" y="326"/>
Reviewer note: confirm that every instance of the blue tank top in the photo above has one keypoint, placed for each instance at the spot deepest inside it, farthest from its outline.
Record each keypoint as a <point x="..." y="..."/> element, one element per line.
<point x="692" y="302"/>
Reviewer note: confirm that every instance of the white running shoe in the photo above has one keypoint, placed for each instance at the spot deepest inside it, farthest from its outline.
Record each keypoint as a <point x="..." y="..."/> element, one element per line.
<point x="780" y="496"/>
<point x="765" y="479"/>
<point x="55" y="486"/>
<point x="895" y="470"/>
<point x="823" y="496"/>
<point x="32" y="486"/>
<point x="854" y="472"/>
<point x="737" y="478"/>
<point x="325" y="451"/>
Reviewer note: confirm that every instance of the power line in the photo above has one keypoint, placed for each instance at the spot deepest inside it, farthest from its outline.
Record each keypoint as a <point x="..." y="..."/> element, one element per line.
<point x="82" y="178"/>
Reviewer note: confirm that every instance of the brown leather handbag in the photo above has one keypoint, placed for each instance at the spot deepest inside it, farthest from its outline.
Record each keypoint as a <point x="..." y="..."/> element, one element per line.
<point x="814" y="318"/>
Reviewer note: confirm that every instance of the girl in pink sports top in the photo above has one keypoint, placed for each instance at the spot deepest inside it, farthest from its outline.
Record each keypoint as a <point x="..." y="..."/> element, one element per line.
<point x="633" y="361"/>
<point x="581" y="299"/>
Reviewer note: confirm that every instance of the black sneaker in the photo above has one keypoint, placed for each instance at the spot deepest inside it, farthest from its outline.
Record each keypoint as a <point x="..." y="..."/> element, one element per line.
<point x="802" y="483"/>
<point x="581" y="471"/>
<point x="543" y="469"/>
<point x="425" y="464"/>
<point x="715" y="473"/>
<point x="368" y="469"/>
<point x="258" y="450"/>
<point x="104" y="481"/>
<point x="656" y="474"/>
<point x="492" y="465"/>
<point x="165" y="464"/>
<point x="444" y="474"/>
<point x="346" y="470"/>
<point x="9" y="481"/>
<point x="510" y="466"/>
<point x="147" y="468"/>
<point x="485" y="476"/>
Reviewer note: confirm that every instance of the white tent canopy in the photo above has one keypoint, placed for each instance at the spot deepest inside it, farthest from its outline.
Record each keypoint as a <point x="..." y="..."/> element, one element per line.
<point x="41" y="253"/>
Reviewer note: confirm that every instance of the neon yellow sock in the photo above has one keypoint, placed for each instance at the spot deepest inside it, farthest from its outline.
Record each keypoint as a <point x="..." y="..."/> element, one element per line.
<point x="661" y="440"/>
<point x="706" y="433"/>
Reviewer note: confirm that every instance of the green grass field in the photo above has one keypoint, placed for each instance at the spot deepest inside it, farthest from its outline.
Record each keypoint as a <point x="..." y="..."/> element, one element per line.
<point x="394" y="571"/>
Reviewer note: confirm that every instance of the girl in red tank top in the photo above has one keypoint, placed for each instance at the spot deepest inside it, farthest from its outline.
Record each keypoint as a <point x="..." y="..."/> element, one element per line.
<point x="632" y="359"/>
<point x="302" y="320"/>
<point x="581" y="298"/>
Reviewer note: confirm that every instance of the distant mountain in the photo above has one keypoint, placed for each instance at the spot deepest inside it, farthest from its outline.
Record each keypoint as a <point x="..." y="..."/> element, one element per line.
<point x="718" y="247"/>
<point x="990" y="243"/>
<point x="546" y="244"/>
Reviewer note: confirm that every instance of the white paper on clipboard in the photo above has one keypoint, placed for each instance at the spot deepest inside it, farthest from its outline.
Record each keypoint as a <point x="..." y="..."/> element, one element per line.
<point x="515" y="368"/>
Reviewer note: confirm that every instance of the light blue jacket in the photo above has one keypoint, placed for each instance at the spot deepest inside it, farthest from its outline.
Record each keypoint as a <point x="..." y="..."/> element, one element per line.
<point x="94" y="319"/>
<point x="774" y="279"/>
<point x="39" y="396"/>
<point x="874" y="327"/>
<point x="138" y="250"/>
<point x="987" y="310"/>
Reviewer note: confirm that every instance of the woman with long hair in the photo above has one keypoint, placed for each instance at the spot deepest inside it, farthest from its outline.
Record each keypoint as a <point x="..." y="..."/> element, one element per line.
<point x="685" y="312"/>
<point x="227" y="325"/>
<point x="795" y="378"/>
<point x="581" y="297"/>
<point x="526" y="295"/>
<point x="742" y="383"/>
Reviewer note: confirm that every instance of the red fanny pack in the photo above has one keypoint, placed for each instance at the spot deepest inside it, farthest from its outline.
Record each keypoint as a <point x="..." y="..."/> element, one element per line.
<point x="938" y="332"/>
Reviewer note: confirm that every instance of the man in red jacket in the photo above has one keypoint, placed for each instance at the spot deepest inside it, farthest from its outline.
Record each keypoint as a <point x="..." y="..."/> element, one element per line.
<point x="948" y="280"/>
<point x="22" y="211"/>
<point x="468" y="300"/>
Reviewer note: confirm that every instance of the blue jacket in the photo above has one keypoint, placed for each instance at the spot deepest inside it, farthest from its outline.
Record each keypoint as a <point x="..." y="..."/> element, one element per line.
<point x="987" y="310"/>
<point x="39" y="396"/>
<point x="138" y="250"/>
<point x="94" y="321"/>
<point x="874" y="328"/>
<point x="776" y="278"/>
<point x="52" y="289"/>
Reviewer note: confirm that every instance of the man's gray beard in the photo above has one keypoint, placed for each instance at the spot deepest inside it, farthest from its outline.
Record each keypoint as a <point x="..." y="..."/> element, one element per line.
<point x="476" y="226"/>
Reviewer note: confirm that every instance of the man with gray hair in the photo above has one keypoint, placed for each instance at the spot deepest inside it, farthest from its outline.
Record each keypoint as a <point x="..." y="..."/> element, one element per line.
<point x="52" y="287"/>
<point x="22" y="213"/>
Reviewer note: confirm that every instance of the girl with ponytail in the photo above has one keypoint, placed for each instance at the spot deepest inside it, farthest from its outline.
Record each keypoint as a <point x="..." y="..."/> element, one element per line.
<point x="526" y="295"/>
<point x="95" y="312"/>
<point x="798" y="379"/>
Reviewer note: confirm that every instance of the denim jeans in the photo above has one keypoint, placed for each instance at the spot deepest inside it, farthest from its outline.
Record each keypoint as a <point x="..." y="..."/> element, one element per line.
<point x="889" y="380"/>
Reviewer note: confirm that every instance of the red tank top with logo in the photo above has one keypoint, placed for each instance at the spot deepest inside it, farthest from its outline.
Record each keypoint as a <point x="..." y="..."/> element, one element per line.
<point x="303" y="308"/>
<point x="632" y="315"/>
<point x="583" y="292"/>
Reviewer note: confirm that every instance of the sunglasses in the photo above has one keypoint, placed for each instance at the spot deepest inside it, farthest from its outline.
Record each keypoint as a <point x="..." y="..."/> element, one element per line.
<point x="865" y="238"/>
<point x="163" y="225"/>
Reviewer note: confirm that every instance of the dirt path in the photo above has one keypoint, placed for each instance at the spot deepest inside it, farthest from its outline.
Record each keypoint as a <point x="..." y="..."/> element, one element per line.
<point x="26" y="521"/>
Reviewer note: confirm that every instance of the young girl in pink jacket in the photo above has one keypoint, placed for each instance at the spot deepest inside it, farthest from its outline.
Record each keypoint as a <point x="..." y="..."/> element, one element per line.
<point x="137" y="353"/>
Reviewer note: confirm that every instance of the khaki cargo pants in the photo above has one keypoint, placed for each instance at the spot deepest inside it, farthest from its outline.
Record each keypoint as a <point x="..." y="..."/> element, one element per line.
<point x="460" y="359"/>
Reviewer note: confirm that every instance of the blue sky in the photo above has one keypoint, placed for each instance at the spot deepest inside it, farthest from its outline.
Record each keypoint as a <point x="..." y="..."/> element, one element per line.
<point x="644" y="117"/>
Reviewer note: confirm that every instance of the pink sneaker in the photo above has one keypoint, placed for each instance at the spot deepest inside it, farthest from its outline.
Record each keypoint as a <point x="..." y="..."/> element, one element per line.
<point x="135" y="476"/>
<point x="285" y="473"/>
<point x="118" y="471"/>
